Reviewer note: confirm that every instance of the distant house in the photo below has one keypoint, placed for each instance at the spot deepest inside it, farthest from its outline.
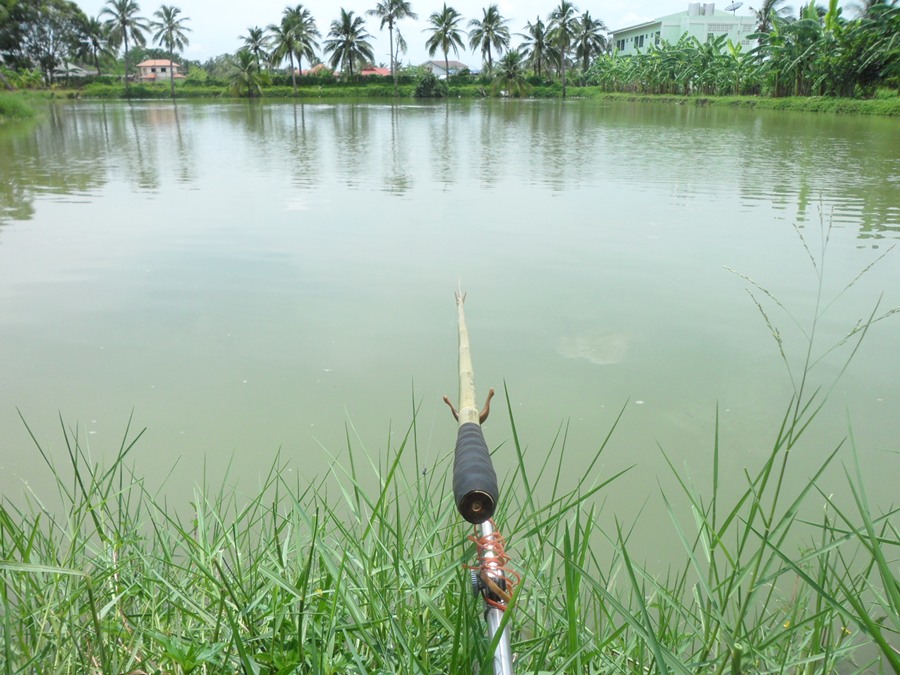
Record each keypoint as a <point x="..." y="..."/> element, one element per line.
<point x="66" y="69"/>
<point x="372" y="70"/>
<point x="318" y="69"/>
<point x="439" y="68"/>
<point x="158" y="70"/>
<point x="701" y="21"/>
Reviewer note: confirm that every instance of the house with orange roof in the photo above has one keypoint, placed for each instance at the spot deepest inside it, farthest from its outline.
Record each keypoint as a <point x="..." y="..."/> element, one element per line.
<point x="318" y="69"/>
<point x="372" y="70"/>
<point x="158" y="70"/>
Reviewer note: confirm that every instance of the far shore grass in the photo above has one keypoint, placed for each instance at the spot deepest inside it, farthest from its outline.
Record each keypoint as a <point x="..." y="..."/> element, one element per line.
<point x="887" y="105"/>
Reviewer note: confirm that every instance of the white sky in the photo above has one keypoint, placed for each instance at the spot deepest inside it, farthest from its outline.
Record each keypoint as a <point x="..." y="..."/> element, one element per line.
<point x="216" y="24"/>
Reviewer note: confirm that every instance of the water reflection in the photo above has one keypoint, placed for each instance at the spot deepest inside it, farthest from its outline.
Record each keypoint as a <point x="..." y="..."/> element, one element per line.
<point x="242" y="272"/>
<point x="788" y="162"/>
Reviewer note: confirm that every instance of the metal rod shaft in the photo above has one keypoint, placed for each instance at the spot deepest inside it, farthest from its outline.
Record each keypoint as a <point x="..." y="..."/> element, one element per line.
<point x="503" y="661"/>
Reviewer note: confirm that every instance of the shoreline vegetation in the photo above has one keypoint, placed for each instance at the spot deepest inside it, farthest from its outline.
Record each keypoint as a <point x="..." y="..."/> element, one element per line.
<point x="820" y="59"/>
<point x="364" y="569"/>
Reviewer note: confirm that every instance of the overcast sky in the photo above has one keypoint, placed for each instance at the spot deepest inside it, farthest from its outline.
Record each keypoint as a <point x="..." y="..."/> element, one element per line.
<point x="216" y="24"/>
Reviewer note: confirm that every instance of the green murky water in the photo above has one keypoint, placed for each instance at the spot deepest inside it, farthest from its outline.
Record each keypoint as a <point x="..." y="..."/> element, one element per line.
<point x="246" y="278"/>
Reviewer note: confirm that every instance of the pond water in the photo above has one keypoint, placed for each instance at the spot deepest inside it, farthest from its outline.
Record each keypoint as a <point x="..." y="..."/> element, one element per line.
<point x="248" y="277"/>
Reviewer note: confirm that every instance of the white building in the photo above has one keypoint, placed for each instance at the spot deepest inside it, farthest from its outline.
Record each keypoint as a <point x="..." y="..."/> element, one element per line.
<point x="702" y="21"/>
<point x="439" y="68"/>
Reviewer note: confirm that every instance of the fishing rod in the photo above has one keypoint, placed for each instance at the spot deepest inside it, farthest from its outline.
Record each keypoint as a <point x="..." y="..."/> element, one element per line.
<point x="475" y="493"/>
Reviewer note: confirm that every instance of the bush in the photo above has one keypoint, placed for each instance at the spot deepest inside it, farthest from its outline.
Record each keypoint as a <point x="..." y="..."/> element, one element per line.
<point x="429" y="86"/>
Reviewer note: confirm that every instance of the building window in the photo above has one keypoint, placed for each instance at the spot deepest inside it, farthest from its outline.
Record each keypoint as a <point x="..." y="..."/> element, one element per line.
<point x="162" y="70"/>
<point x="153" y="70"/>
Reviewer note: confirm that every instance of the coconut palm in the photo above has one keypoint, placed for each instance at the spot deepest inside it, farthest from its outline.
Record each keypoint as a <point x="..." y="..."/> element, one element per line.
<point x="767" y="13"/>
<point x="257" y="42"/>
<point x="123" y="23"/>
<point x="865" y="7"/>
<point x="348" y="42"/>
<point x="536" y="45"/>
<point x="510" y="75"/>
<point x="245" y="75"/>
<point x="391" y="11"/>
<point x="305" y="33"/>
<point x="445" y="34"/>
<point x="94" y="42"/>
<point x="489" y="31"/>
<point x="282" y="39"/>
<point x="563" y="28"/>
<point x="590" y="40"/>
<point x="171" y="34"/>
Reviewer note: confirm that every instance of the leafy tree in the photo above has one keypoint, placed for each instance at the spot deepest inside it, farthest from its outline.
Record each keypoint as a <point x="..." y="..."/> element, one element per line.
<point x="391" y="11"/>
<point x="257" y="42"/>
<point x="563" y="28"/>
<point x="44" y="33"/>
<point x="123" y="23"/>
<point x="510" y="75"/>
<point x="590" y="40"/>
<point x="490" y="31"/>
<point x="348" y="42"/>
<point x="171" y="34"/>
<point x="537" y="45"/>
<point x="445" y="34"/>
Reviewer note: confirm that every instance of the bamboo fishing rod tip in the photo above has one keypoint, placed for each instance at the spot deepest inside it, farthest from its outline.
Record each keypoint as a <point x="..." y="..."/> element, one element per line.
<point x="485" y="411"/>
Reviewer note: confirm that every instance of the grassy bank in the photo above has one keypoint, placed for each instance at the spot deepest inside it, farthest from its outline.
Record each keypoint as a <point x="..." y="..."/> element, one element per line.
<point x="375" y="581"/>
<point x="12" y="107"/>
<point x="888" y="106"/>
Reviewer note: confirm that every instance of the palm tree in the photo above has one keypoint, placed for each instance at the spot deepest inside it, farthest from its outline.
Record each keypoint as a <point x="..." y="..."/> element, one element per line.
<point x="767" y="13"/>
<point x="510" y="75"/>
<point x="864" y="8"/>
<point x="257" y="42"/>
<point x="563" y="27"/>
<point x="283" y="39"/>
<point x="170" y="33"/>
<point x="305" y="33"/>
<point x="489" y="32"/>
<point x="391" y="11"/>
<point x="124" y="22"/>
<point x="245" y="74"/>
<point x="445" y="34"/>
<point x="94" y="41"/>
<point x="536" y="45"/>
<point x="589" y="40"/>
<point x="348" y="41"/>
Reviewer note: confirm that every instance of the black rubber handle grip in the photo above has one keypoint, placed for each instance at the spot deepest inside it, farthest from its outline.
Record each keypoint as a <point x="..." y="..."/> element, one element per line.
<point x="474" y="480"/>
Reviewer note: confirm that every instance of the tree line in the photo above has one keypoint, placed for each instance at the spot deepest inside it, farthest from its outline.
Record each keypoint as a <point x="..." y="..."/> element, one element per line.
<point x="819" y="51"/>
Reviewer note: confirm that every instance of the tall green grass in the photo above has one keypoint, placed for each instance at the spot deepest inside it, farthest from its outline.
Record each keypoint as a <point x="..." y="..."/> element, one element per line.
<point x="12" y="107"/>
<point x="339" y="576"/>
